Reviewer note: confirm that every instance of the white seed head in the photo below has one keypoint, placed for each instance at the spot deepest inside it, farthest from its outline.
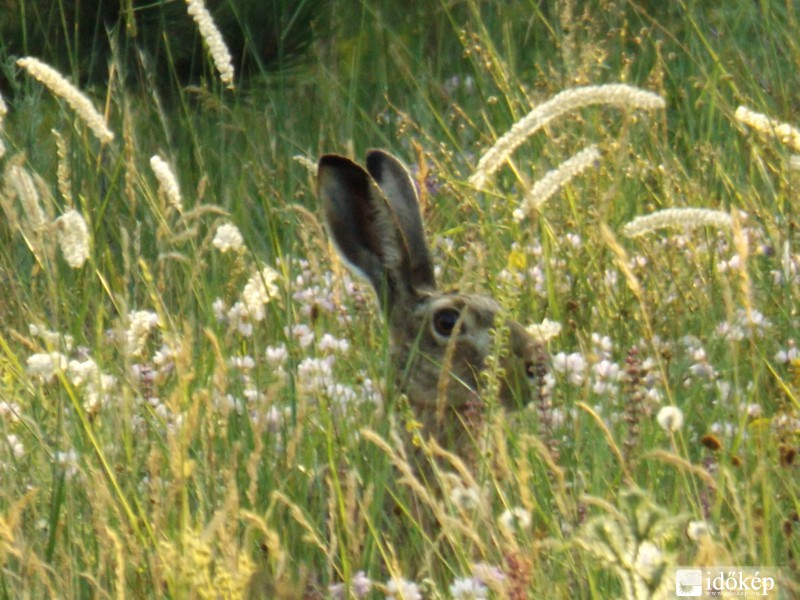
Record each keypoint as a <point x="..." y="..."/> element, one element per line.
<point x="73" y="237"/>
<point x="60" y="87"/>
<point x="621" y="95"/>
<point x="557" y="178"/>
<point x="167" y="182"/>
<point x="787" y="134"/>
<point x="670" y="418"/>
<point x="213" y="39"/>
<point x="681" y="218"/>
<point x="228" y="238"/>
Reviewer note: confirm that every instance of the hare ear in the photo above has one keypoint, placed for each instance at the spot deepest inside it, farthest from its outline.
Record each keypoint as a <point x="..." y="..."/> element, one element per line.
<point x="397" y="185"/>
<point x="364" y="228"/>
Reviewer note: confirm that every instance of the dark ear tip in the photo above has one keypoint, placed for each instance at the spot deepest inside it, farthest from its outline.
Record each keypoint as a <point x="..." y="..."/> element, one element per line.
<point x="334" y="160"/>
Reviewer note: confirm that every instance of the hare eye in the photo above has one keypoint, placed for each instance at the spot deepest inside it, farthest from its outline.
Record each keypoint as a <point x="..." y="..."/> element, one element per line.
<point x="445" y="320"/>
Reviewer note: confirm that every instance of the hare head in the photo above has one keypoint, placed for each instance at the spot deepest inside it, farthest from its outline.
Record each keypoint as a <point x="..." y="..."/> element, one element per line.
<point x="439" y="341"/>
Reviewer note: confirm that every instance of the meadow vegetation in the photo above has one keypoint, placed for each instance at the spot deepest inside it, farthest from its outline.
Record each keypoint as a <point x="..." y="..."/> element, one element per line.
<point x="194" y="396"/>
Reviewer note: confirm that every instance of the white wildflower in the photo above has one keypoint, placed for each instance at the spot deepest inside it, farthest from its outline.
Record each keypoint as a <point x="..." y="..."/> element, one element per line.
<point x="621" y="95"/>
<point x="9" y="411"/>
<point x="670" y="418"/>
<point x="401" y="589"/>
<point x="514" y="519"/>
<point x="73" y="237"/>
<point x="466" y="498"/>
<point x="51" y="338"/>
<point x="219" y="308"/>
<point x="468" y="588"/>
<point x="141" y="323"/>
<point x="573" y="365"/>
<point x="17" y="447"/>
<point x="329" y="343"/>
<point x="62" y="88"/>
<point x="302" y="333"/>
<point x="167" y="182"/>
<point x="360" y="586"/>
<point x="227" y="238"/>
<point x="787" y="134"/>
<point x="82" y="371"/>
<point x="545" y="331"/>
<point x="45" y="366"/>
<point x="239" y="319"/>
<point x="557" y="178"/>
<point x="649" y="560"/>
<point x="697" y="530"/>
<point x="683" y="218"/>
<point x="213" y="39"/>
<point x="276" y="355"/>
<point x="258" y="291"/>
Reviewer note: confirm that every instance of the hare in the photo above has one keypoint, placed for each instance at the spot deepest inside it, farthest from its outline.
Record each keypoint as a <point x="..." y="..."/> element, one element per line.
<point x="439" y="341"/>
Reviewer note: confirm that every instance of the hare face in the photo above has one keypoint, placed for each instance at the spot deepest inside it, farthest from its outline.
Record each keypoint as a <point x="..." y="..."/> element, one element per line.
<point x="454" y="334"/>
<point x="440" y="341"/>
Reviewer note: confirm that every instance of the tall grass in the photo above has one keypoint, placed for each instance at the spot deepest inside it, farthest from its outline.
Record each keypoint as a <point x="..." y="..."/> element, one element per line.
<point x="192" y="414"/>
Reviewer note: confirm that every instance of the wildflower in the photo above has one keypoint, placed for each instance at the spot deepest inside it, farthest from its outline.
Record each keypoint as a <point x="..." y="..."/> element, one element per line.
<point x="401" y="589"/>
<point x="787" y="134"/>
<point x="258" y="291"/>
<point x="68" y="460"/>
<point x="277" y="355"/>
<point x="59" y="86"/>
<point x="167" y="182"/>
<point x="684" y="218"/>
<point x="670" y="418"/>
<point x="554" y="180"/>
<point x="791" y="353"/>
<point x="73" y="237"/>
<point x="514" y="519"/>
<point x="17" y="447"/>
<point x="465" y="498"/>
<point x="488" y="574"/>
<point x="45" y="366"/>
<point x="573" y="365"/>
<point x="329" y="343"/>
<point x="51" y="338"/>
<point x="239" y="318"/>
<point x="302" y="333"/>
<point x="213" y="39"/>
<point x="468" y="589"/>
<point x="360" y="586"/>
<point x="220" y="309"/>
<point x="10" y="411"/>
<point x="141" y="323"/>
<point x="228" y="238"/>
<point x="697" y="530"/>
<point x="81" y="372"/>
<point x="621" y="95"/>
<point x="649" y="560"/>
<point x="545" y="331"/>
<point x="606" y="375"/>
<point x="315" y="374"/>
<point x="243" y="363"/>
